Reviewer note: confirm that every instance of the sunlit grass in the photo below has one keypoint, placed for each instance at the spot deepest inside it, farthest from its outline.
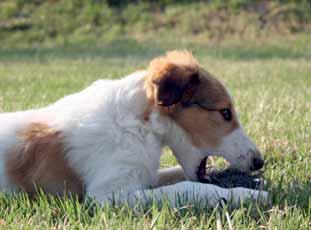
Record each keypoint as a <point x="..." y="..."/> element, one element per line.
<point x="272" y="92"/>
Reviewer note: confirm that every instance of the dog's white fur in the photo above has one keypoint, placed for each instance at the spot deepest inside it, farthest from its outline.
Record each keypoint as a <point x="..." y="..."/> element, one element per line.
<point x="116" y="152"/>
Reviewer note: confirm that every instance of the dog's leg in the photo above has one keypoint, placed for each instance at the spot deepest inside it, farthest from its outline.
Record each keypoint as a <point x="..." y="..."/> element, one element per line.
<point x="187" y="193"/>
<point x="172" y="175"/>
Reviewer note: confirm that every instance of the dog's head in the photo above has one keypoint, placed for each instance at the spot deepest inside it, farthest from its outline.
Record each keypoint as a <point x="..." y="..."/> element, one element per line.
<point x="199" y="105"/>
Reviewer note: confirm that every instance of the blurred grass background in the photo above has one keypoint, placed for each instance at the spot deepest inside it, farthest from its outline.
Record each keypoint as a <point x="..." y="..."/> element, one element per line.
<point x="61" y="22"/>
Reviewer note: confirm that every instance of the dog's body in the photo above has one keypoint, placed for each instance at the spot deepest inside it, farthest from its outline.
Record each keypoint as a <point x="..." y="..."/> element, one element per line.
<point x="106" y="141"/>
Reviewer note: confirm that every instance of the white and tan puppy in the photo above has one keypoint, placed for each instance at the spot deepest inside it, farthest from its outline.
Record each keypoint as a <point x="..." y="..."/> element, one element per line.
<point x="106" y="141"/>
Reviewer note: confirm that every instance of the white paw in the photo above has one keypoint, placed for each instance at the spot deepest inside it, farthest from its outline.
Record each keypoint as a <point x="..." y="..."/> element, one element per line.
<point x="238" y="195"/>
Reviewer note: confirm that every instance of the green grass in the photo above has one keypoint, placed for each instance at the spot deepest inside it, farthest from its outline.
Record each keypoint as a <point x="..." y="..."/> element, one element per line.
<point x="24" y="22"/>
<point x="271" y="84"/>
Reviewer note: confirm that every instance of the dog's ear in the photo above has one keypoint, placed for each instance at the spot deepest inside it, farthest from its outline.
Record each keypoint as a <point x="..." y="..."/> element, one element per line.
<point x="172" y="83"/>
<point x="172" y="90"/>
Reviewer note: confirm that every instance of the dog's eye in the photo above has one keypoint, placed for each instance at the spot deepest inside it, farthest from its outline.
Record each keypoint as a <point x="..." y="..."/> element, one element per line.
<point x="226" y="114"/>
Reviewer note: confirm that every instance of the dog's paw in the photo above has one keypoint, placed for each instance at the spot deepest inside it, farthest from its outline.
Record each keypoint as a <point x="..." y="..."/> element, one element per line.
<point x="238" y="195"/>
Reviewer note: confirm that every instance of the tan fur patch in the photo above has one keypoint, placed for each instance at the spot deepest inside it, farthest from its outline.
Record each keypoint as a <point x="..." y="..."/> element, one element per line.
<point x="177" y="67"/>
<point x="39" y="161"/>
<point x="193" y="109"/>
<point x="205" y="128"/>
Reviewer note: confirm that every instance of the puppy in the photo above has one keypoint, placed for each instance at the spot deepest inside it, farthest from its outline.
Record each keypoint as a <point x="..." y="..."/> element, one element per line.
<point x="105" y="142"/>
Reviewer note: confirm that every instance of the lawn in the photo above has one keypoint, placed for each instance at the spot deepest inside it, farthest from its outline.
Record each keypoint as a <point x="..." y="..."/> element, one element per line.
<point x="271" y="85"/>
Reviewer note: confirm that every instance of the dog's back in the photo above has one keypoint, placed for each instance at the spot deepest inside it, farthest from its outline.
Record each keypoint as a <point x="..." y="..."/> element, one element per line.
<point x="51" y="145"/>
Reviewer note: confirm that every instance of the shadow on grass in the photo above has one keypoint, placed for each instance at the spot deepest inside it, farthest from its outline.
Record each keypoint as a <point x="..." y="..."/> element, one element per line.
<point x="133" y="49"/>
<point x="294" y="195"/>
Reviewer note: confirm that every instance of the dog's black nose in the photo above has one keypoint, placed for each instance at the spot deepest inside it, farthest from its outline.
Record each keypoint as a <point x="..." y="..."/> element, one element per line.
<point x="257" y="163"/>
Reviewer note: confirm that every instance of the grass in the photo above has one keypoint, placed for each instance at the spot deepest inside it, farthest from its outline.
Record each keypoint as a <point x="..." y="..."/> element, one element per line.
<point x="270" y="82"/>
<point x="24" y="22"/>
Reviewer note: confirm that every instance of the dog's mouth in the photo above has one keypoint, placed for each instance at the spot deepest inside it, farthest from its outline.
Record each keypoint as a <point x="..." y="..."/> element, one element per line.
<point x="229" y="177"/>
<point x="201" y="173"/>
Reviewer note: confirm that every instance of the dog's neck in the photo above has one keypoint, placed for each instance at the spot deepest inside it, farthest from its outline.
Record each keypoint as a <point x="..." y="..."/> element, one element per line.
<point x="163" y="127"/>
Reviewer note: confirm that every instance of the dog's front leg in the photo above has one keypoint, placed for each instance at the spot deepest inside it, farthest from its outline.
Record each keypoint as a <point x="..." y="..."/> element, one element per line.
<point x="193" y="193"/>
<point x="168" y="176"/>
<point x="179" y="194"/>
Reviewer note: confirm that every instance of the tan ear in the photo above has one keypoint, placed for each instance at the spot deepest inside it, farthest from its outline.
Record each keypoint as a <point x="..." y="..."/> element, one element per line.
<point x="172" y="82"/>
